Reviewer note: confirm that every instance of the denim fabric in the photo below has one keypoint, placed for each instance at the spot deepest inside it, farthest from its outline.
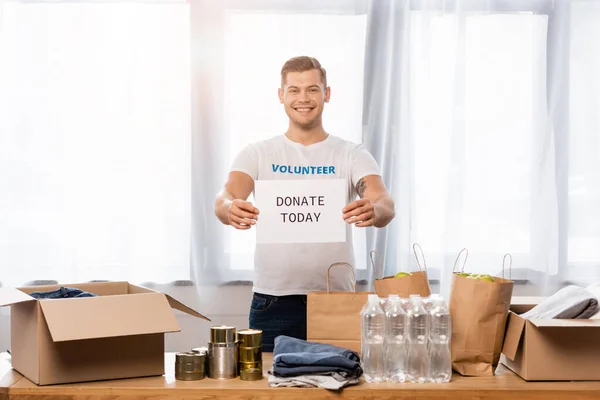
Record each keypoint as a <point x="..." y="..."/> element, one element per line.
<point x="292" y="357"/>
<point x="278" y="315"/>
<point x="61" y="293"/>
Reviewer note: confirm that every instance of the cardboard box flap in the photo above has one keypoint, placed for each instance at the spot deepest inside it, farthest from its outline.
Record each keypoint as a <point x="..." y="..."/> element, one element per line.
<point x="182" y="307"/>
<point x="9" y="296"/>
<point x="514" y="332"/>
<point x="570" y="323"/>
<point x="110" y="316"/>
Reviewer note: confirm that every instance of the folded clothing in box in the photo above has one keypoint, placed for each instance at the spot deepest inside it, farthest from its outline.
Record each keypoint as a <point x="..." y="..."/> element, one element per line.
<point x="62" y="293"/>
<point x="594" y="289"/>
<point x="571" y="302"/>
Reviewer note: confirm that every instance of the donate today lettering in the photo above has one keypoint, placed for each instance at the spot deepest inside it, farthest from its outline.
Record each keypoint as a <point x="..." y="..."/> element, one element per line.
<point x="300" y="201"/>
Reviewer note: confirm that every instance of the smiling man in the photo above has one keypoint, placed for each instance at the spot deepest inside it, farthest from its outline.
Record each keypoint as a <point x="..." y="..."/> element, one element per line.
<point x="285" y="273"/>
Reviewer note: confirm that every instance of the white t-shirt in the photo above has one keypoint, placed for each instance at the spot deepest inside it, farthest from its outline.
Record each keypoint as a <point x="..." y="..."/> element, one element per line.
<point x="298" y="268"/>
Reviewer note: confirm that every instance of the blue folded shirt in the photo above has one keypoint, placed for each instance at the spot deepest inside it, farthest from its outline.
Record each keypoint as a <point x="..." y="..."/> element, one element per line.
<point x="294" y="357"/>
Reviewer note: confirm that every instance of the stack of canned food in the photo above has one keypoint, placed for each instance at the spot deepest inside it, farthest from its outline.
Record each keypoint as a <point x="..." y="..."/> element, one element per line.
<point x="229" y="354"/>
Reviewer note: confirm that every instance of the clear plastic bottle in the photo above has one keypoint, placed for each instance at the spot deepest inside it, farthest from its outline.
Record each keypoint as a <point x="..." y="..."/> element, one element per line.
<point x="373" y="336"/>
<point x="440" y="363"/>
<point x="428" y="301"/>
<point x="396" y="323"/>
<point x="418" y="335"/>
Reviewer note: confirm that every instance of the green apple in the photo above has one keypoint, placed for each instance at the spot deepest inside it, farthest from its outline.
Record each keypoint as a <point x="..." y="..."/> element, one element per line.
<point x="402" y="274"/>
<point x="465" y="274"/>
<point x="485" y="277"/>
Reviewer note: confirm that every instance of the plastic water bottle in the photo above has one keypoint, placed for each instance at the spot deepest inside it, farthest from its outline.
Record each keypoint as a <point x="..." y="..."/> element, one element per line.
<point x="440" y="367"/>
<point x="396" y="323"/>
<point x="418" y="335"/>
<point x="373" y="335"/>
<point x="428" y="301"/>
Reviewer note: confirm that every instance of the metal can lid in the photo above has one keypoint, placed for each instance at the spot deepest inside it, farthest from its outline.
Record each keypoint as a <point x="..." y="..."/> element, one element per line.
<point x="222" y="334"/>
<point x="250" y="337"/>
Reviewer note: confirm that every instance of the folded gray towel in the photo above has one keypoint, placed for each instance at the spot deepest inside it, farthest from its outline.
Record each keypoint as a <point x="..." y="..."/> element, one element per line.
<point x="571" y="302"/>
<point x="332" y="381"/>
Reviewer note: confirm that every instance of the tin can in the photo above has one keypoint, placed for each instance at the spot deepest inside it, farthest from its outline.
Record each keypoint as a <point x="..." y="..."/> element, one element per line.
<point x="251" y="371"/>
<point x="203" y="350"/>
<point x="222" y="360"/>
<point x="223" y="352"/>
<point x="250" y="354"/>
<point x="190" y="366"/>
<point x="222" y="334"/>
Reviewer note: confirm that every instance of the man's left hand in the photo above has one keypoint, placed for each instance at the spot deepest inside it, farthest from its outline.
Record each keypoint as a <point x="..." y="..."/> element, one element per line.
<point x="360" y="212"/>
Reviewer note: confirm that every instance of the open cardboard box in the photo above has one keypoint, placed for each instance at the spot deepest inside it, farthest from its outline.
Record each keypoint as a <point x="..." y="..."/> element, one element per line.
<point x="550" y="349"/>
<point x="118" y="334"/>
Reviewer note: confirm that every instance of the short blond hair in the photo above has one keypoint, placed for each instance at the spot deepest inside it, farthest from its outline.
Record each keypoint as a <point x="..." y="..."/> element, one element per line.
<point x="302" y="64"/>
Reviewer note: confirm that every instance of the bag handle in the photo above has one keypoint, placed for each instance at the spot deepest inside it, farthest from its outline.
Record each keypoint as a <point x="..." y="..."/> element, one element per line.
<point x="458" y="257"/>
<point x="375" y="253"/>
<point x="415" y="246"/>
<point x="338" y="264"/>
<point x="509" y="265"/>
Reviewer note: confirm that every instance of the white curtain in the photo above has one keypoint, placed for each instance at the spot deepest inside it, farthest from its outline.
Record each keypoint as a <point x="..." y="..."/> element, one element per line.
<point x="484" y="135"/>
<point x="483" y="114"/>
<point x="581" y="236"/>
<point x="461" y="119"/>
<point x="95" y="149"/>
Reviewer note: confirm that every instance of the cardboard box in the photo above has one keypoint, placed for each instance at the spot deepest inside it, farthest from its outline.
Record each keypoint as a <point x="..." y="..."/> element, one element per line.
<point x="550" y="349"/>
<point x="118" y="334"/>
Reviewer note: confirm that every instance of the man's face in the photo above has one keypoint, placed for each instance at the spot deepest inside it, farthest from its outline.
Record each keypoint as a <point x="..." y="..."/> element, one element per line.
<point x="304" y="96"/>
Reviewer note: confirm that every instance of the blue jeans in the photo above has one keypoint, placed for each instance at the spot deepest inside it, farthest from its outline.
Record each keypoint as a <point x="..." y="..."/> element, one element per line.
<point x="61" y="293"/>
<point x="278" y="315"/>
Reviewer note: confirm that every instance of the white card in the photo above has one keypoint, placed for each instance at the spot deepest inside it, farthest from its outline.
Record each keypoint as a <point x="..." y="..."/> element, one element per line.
<point x="300" y="211"/>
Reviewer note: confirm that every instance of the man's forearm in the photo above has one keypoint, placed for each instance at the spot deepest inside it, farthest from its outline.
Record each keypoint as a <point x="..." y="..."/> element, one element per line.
<point x="222" y="204"/>
<point x="384" y="210"/>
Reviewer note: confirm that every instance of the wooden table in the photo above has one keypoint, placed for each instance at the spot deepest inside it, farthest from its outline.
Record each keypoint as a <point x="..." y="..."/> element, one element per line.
<point x="8" y="376"/>
<point x="505" y="385"/>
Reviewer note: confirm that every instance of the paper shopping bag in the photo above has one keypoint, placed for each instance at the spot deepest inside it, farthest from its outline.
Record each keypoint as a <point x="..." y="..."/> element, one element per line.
<point x="415" y="283"/>
<point x="478" y="311"/>
<point x="334" y="317"/>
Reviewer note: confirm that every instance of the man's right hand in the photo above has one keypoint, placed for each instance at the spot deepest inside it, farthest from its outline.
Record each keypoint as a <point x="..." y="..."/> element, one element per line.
<point x="242" y="214"/>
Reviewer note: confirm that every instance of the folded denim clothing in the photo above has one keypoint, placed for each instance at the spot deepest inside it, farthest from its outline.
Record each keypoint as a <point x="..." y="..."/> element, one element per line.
<point x="334" y="381"/>
<point x="294" y="357"/>
<point x="594" y="289"/>
<point x="62" y="293"/>
<point x="570" y="302"/>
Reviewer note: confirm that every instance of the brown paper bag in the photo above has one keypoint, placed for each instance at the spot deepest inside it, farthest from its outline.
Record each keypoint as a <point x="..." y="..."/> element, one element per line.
<point x="478" y="310"/>
<point x="416" y="283"/>
<point x="334" y="317"/>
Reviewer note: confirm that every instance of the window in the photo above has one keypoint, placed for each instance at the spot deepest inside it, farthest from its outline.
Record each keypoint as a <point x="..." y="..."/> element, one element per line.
<point x="94" y="141"/>
<point x="584" y="140"/>
<point x="477" y="109"/>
